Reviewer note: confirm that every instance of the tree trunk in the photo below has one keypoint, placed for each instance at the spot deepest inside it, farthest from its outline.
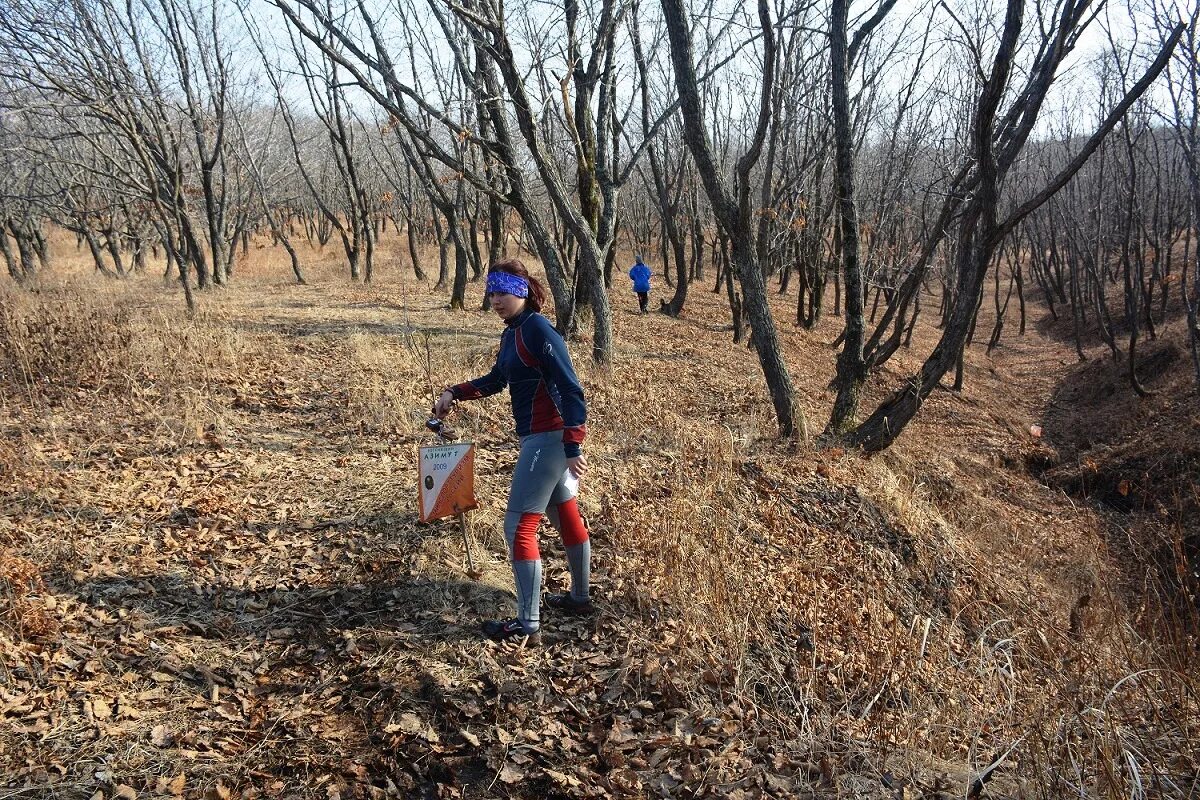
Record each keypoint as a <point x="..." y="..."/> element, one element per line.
<point x="411" y="235"/>
<point x="851" y="367"/>
<point x="976" y="243"/>
<point x="733" y="209"/>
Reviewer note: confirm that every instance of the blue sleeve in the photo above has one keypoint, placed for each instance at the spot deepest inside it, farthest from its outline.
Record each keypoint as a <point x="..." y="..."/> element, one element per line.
<point x="555" y="363"/>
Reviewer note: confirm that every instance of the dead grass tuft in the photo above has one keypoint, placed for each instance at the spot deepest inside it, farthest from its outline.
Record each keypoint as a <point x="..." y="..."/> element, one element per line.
<point x="54" y="342"/>
<point x="23" y="609"/>
<point x="390" y="380"/>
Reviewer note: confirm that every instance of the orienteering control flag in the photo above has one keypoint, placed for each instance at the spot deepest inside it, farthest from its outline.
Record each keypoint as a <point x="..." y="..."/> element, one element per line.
<point x="447" y="480"/>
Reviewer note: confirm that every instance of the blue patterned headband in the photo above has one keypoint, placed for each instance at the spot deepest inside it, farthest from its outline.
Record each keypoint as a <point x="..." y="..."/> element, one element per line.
<point x="507" y="283"/>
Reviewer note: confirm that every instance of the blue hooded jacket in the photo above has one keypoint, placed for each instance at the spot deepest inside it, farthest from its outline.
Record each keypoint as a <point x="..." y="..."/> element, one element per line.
<point x="640" y="274"/>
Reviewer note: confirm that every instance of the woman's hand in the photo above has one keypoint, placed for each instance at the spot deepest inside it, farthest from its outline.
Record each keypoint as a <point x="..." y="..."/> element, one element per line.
<point x="577" y="466"/>
<point x="443" y="405"/>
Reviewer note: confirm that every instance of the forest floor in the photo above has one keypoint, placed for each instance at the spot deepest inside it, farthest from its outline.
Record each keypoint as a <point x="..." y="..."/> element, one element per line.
<point x="213" y="583"/>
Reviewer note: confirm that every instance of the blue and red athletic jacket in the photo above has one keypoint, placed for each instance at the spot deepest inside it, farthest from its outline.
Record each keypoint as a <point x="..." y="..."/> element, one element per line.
<point x="546" y="396"/>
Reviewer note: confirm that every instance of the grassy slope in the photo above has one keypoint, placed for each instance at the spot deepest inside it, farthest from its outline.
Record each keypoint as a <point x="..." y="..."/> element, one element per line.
<point x="216" y="586"/>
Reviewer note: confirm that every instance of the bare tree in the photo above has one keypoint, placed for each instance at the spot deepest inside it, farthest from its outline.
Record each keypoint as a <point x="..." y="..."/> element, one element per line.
<point x="732" y="207"/>
<point x="272" y="208"/>
<point x="155" y="111"/>
<point x="21" y="213"/>
<point x="851" y="365"/>
<point x="997" y="139"/>
<point x="668" y="188"/>
<point x="1183" y="116"/>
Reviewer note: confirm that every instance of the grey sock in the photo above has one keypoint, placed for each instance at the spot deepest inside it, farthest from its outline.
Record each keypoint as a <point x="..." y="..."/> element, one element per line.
<point x="579" y="561"/>
<point x="528" y="577"/>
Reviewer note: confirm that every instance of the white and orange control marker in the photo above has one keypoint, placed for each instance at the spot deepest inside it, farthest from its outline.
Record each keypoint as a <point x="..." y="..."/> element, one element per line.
<point x="447" y="487"/>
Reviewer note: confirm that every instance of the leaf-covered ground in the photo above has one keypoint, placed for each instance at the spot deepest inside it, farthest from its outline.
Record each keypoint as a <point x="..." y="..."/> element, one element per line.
<point x="213" y="583"/>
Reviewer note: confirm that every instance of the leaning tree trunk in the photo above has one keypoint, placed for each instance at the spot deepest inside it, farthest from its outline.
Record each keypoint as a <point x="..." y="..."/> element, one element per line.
<point x="733" y="208"/>
<point x="980" y="232"/>
<point x="976" y="243"/>
<point x="882" y="428"/>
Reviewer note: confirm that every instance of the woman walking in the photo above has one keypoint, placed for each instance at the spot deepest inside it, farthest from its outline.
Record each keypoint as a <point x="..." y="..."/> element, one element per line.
<point x="550" y="414"/>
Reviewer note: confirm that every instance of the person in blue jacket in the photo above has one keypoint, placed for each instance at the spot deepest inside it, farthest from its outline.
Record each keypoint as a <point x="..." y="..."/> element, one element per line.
<point x="640" y="275"/>
<point x="550" y="413"/>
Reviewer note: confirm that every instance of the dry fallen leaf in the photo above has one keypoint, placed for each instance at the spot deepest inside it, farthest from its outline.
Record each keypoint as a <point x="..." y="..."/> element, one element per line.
<point x="172" y="786"/>
<point x="408" y="723"/>
<point x="126" y="792"/>
<point x="218" y="792"/>
<point x="510" y="774"/>
<point x="101" y="709"/>
<point x="160" y="736"/>
<point x="562" y="779"/>
<point x="412" y="725"/>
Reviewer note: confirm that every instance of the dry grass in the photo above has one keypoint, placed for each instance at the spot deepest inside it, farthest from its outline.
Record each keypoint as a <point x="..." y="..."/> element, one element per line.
<point x="212" y="569"/>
